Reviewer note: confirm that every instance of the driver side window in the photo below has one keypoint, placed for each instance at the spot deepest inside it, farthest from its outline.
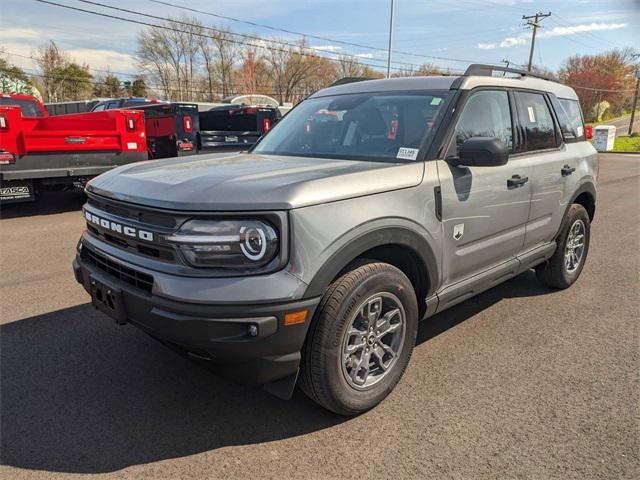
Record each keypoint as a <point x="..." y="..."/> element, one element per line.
<point x="486" y="114"/>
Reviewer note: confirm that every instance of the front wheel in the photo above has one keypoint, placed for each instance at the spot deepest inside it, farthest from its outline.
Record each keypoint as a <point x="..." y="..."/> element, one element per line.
<point x="361" y="339"/>
<point x="566" y="264"/>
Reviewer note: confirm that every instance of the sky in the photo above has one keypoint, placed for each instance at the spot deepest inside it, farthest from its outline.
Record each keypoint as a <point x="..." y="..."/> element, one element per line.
<point x="446" y="33"/>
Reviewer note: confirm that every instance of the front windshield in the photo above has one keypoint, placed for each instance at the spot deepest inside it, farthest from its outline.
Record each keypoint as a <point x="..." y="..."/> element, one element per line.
<point x="362" y="126"/>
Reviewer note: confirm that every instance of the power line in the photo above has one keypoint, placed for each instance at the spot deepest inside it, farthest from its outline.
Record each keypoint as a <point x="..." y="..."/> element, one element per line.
<point x="217" y="30"/>
<point x="307" y="35"/>
<point x="590" y="34"/>
<point x="165" y="27"/>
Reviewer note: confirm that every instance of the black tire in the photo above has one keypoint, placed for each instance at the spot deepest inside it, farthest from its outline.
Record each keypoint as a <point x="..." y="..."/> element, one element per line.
<point x="322" y="377"/>
<point x="555" y="272"/>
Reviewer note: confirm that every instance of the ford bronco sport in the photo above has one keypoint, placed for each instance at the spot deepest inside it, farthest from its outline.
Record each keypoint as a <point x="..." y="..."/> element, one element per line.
<point x="370" y="206"/>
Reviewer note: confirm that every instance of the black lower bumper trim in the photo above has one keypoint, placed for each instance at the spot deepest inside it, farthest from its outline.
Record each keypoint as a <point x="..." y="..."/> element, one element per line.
<point x="248" y="343"/>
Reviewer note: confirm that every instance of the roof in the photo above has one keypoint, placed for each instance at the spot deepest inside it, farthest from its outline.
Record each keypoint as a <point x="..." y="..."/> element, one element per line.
<point x="464" y="82"/>
<point x="389" y="85"/>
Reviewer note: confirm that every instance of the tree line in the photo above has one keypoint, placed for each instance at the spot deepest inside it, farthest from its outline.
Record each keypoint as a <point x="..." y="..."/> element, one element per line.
<point x="181" y="59"/>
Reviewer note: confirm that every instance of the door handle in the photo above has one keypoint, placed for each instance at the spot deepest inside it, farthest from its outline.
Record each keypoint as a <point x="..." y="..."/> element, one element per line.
<point x="567" y="170"/>
<point x="516" y="181"/>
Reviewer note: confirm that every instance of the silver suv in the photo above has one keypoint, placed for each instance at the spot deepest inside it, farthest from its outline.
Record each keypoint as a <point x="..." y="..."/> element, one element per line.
<point x="370" y="206"/>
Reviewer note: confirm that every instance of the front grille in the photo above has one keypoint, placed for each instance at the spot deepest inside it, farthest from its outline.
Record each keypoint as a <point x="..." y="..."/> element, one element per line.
<point x="160" y="253"/>
<point x="133" y="212"/>
<point x="117" y="270"/>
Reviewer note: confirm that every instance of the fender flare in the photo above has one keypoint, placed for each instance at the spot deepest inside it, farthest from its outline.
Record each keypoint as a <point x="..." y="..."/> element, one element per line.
<point x="586" y="187"/>
<point x="371" y="239"/>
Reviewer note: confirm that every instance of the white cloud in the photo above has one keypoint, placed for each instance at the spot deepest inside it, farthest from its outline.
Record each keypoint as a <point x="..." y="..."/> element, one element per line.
<point x="364" y="55"/>
<point x="572" y="30"/>
<point x="327" y="48"/>
<point x="523" y="38"/>
<point x="513" y="41"/>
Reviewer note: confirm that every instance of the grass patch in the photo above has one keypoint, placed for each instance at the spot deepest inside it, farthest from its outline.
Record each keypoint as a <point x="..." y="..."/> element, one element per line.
<point x="627" y="144"/>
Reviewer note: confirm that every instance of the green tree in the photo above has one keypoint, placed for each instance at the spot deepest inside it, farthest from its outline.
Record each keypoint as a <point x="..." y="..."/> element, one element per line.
<point x="597" y="79"/>
<point x="13" y="79"/>
<point x="72" y="82"/>
<point x="139" y="88"/>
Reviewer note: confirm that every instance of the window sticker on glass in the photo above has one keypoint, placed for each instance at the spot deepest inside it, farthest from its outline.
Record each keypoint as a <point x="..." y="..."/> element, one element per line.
<point x="407" y="153"/>
<point x="436" y="101"/>
<point x="532" y="114"/>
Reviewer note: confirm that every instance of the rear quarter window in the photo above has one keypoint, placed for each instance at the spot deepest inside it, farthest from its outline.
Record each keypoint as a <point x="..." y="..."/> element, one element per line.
<point x="571" y="109"/>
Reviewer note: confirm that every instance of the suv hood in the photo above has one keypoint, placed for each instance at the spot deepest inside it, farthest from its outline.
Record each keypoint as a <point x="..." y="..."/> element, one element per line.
<point x="223" y="182"/>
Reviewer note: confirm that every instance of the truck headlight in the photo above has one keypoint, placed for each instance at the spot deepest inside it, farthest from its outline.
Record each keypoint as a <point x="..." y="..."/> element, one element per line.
<point x="226" y="243"/>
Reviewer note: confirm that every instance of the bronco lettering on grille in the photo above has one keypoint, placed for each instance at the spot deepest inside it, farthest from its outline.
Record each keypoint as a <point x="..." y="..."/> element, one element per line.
<point x="118" y="227"/>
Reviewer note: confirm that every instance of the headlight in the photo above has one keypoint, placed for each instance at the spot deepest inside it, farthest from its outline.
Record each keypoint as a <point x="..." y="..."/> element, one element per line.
<point x="226" y="243"/>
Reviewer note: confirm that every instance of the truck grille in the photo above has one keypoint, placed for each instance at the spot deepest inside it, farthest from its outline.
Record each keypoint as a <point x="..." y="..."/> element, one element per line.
<point x="116" y="270"/>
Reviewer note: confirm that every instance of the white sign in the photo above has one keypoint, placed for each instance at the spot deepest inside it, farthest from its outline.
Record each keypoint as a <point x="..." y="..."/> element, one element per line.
<point x="407" y="153"/>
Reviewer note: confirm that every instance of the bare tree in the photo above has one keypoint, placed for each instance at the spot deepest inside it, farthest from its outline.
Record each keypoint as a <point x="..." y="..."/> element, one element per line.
<point x="49" y="59"/>
<point x="290" y="68"/>
<point x="226" y="54"/>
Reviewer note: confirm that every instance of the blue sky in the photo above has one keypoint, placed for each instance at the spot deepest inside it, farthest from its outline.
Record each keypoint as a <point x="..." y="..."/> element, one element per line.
<point x="469" y="30"/>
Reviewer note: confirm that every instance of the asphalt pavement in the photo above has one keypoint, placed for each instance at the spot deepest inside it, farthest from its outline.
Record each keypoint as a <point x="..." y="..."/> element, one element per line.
<point x="519" y="382"/>
<point x="622" y="124"/>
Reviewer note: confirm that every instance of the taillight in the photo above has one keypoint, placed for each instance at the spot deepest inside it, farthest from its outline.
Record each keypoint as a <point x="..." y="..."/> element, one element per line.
<point x="131" y="124"/>
<point x="588" y="132"/>
<point x="4" y="123"/>
<point x="266" y="124"/>
<point x="7" y="158"/>
<point x="187" y="124"/>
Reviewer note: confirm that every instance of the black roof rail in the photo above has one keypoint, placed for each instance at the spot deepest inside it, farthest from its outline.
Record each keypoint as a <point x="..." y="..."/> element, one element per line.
<point x="345" y="80"/>
<point x="487" y="71"/>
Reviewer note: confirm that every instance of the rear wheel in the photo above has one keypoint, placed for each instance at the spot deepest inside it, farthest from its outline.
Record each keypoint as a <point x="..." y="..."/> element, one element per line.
<point x="361" y="340"/>
<point x="566" y="264"/>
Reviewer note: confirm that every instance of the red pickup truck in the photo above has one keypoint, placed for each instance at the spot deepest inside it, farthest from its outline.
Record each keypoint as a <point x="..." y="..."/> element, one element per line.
<point x="40" y="152"/>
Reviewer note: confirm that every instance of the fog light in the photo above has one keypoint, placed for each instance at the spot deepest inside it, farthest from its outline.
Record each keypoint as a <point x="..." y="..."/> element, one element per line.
<point x="253" y="330"/>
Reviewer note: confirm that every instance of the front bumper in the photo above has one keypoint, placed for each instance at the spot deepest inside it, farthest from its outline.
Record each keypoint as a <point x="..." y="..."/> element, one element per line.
<point x="249" y="341"/>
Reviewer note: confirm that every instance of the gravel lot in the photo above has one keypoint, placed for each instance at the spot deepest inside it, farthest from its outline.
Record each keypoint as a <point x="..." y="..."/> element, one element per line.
<point x="520" y="382"/>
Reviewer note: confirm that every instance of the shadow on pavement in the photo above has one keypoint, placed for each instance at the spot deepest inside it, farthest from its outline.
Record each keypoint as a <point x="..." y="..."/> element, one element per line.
<point x="81" y="395"/>
<point x="524" y="285"/>
<point x="46" y="203"/>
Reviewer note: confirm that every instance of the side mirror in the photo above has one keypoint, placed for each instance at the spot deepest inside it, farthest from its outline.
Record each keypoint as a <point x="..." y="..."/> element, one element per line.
<point x="482" y="152"/>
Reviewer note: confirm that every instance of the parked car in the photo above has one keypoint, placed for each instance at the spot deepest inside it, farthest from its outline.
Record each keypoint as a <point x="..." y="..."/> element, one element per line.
<point x="235" y="126"/>
<point x="40" y="152"/>
<point x="130" y="102"/>
<point x="370" y="206"/>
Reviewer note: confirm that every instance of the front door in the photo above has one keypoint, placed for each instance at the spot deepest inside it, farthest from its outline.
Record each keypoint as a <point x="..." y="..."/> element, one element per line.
<point x="484" y="209"/>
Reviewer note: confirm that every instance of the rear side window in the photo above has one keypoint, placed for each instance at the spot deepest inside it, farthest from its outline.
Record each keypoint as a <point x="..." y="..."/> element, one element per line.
<point x="535" y="118"/>
<point x="99" y="108"/>
<point x="574" y="114"/>
<point x="486" y="114"/>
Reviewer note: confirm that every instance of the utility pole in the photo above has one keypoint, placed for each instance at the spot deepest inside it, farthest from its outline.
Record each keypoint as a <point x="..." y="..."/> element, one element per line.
<point x="635" y="97"/>
<point x="534" y="21"/>
<point x="390" y="38"/>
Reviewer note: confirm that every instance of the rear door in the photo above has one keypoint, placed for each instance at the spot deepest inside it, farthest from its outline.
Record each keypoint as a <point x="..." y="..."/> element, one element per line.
<point x="551" y="165"/>
<point x="483" y="213"/>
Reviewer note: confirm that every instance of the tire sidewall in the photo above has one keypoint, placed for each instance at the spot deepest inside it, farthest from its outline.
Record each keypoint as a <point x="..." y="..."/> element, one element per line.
<point x="576" y="212"/>
<point x="389" y="280"/>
